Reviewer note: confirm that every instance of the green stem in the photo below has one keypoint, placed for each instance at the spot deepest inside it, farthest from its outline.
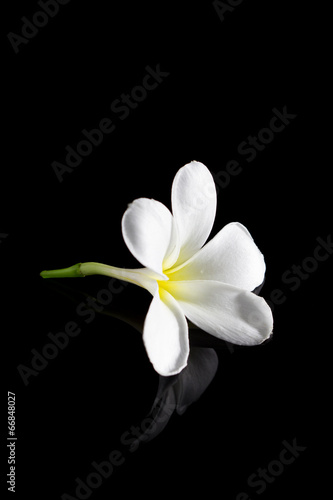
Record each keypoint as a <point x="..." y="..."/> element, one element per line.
<point x="81" y="270"/>
<point x="68" y="272"/>
<point x="141" y="277"/>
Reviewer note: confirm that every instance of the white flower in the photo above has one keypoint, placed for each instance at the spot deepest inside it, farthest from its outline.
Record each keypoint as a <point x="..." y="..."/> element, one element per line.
<point x="210" y="285"/>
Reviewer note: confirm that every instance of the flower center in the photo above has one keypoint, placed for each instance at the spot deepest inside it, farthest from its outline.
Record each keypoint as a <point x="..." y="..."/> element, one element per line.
<point x="165" y="285"/>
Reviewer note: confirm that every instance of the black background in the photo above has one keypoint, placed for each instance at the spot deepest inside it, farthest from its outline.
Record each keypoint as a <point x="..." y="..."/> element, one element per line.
<point x="225" y="78"/>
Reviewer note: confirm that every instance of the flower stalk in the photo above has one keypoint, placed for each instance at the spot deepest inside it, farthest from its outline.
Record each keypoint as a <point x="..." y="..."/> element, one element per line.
<point x="141" y="277"/>
<point x="81" y="270"/>
<point x="67" y="272"/>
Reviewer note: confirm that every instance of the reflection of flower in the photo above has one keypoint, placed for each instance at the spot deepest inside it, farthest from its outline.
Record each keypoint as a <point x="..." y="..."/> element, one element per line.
<point x="177" y="393"/>
<point x="210" y="285"/>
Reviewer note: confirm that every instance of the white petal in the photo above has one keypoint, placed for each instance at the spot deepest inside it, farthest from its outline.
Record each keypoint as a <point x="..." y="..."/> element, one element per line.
<point x="231" y="257"/>
<point x="193" y="206"/>
<point x="225" y="311"/>
<point x="150" y="233"/>
<point x="165" y="335"/>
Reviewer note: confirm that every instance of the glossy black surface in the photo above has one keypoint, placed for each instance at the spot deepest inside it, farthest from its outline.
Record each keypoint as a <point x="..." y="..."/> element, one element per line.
<point x="99" y="398"/>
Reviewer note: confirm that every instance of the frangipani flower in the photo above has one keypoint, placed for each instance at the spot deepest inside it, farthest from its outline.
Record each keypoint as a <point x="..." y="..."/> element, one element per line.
<point x="210" y="284"/>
